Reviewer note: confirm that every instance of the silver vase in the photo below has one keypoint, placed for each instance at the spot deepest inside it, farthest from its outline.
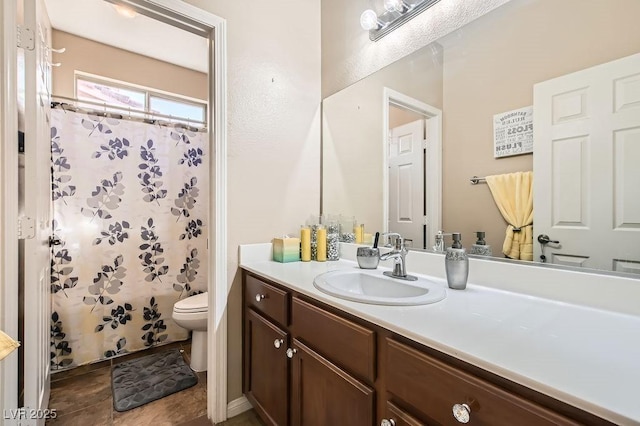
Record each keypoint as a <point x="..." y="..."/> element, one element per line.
<point x="456" y="264"/>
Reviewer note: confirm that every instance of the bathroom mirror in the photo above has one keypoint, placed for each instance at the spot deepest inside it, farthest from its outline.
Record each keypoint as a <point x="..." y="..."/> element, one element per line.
<point x="486" y="68"/>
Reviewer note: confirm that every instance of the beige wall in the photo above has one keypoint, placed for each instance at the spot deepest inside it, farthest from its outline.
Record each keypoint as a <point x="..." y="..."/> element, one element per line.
<point x="273" y="73"/>
<point x="97" y="58"/>
<point x="348" y="55"/>
<point x="492" y="69"/>
<point x="399" y="116"/>
<point x="353" y="137"/>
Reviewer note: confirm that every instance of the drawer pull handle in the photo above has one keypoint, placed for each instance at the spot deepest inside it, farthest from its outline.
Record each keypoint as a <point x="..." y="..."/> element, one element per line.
<point x="462" y="412"/>
<point x="388" y="422"/>
<point x="259" y="297"/>
<point x="277" y="343"/>
<point x="291" y="352"/>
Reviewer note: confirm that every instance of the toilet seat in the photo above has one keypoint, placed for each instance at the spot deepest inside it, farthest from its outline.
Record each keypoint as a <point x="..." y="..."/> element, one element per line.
<point x="192" y="304"/>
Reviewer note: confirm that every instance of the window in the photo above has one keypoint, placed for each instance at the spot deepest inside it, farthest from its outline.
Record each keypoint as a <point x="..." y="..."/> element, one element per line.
<point x="139" y="101"/>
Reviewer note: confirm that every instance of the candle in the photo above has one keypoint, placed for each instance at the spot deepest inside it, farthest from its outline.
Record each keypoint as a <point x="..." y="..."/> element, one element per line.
<point x="359" y="231"/>
<point x="322" y="245"/>
<point x="305" y="244"/>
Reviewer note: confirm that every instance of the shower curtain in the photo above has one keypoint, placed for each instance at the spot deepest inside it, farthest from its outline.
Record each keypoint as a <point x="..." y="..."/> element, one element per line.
<point x="130" y="204"/>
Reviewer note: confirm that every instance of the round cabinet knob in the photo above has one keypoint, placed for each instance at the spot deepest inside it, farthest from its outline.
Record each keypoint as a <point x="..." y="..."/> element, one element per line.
<point x="388" y="422"/>
<point x="462" y="413"/>
<point x="259" y="297"/>
<point x="277" y="343"/>
<point x="290" y="352"/>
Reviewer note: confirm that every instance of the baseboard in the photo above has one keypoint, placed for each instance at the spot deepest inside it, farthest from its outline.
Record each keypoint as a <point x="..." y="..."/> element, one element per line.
<point x="238" y="406"/>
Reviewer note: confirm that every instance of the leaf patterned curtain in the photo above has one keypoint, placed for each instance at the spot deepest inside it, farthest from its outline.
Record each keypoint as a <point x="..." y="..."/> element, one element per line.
<point x="130" y="207"/>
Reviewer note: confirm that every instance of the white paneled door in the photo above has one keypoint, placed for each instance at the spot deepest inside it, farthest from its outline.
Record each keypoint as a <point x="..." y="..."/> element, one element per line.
<point x="37" y="207"/>
<point x="406" y="182"/>
<point x="587" y="167"/>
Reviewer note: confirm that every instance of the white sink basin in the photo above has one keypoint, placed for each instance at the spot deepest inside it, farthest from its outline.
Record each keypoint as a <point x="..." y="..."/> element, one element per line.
<point x="370" y="286"/>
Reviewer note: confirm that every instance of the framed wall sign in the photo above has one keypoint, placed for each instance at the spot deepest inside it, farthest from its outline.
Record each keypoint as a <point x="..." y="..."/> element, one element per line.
<point x="513" y="132"/>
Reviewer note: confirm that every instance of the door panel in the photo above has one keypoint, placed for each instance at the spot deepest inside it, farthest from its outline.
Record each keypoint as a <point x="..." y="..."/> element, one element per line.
<point x="323" y="394"/>
<point x="266" y="379"/>
<point x="37" y="205"/>
<point x="406" y="182"/>
<point x="587" y="180"/>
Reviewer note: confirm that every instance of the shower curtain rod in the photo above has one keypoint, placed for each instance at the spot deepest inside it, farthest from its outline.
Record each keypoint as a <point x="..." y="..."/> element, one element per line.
<point x="475" y="180"/>
<point x="148" y="115"/>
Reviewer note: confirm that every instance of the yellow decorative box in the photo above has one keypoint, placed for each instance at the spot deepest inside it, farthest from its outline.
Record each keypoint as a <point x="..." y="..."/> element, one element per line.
<point x="286" y="249"/>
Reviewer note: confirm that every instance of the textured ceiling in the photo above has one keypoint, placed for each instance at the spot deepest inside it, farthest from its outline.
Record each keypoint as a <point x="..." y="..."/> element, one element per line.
<point x="98" y="20"/>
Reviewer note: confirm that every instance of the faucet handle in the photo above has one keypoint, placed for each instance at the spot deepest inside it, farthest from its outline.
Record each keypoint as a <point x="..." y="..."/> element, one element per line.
<point x="399" y="239"/>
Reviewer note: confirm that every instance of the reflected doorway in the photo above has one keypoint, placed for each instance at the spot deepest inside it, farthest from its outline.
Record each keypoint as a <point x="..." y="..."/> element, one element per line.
<point x="412" y="175"/>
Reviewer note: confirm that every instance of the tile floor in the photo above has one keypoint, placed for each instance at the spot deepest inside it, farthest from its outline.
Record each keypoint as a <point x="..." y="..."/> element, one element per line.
<point x="82" y="396"/>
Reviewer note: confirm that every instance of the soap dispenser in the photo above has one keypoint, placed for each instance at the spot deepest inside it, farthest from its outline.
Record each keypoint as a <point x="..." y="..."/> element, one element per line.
<point x="457" y="264"/>
<point x="481" y="248"/>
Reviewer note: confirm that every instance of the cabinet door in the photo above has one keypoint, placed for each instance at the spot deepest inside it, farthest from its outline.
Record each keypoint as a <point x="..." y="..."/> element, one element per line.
<point x="397" y="417"/>
<point x="323" y="394"/>
<point x="265" y="368"/>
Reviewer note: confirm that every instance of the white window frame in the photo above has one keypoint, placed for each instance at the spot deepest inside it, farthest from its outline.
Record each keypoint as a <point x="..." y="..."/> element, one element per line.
<point x="149" y="92"/>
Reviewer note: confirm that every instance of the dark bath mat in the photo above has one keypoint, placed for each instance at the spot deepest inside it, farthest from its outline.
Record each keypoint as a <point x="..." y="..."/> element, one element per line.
<point x="142" y="380"/>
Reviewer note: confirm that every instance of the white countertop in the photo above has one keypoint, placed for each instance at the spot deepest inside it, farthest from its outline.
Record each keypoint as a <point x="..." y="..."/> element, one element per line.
<point x="586" y="357"/>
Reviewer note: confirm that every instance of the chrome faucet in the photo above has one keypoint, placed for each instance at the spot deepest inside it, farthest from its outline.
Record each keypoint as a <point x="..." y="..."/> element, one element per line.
<point x="398" y="254"/>
<point x="439" y="247"/>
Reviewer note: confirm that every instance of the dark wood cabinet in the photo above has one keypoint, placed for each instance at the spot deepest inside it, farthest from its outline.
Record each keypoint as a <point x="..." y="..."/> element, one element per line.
<point x="344" y="342"/>
<point x="396" y="416"/>
<point x="307" y="363"/>
<point x="323" y="394"/>
<point x="314" y="378"/>
<point x="433" y="388"/>
<point x="271" y="301"/>
<point x="266" y="380"/>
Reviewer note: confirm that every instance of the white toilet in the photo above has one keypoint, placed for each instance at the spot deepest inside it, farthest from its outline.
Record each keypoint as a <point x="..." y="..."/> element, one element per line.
<point x="191" y="313"/>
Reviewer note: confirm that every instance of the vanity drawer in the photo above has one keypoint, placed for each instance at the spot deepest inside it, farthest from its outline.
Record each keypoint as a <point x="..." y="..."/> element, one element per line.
<point x="267" y="299"/>
<point x="344" y="342"/>
<point x="433" y="387"/>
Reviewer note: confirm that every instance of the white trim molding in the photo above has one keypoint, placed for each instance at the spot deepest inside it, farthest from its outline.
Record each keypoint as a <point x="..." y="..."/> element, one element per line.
<point x="238" y="406"/>
<point x="218" y="287"/>
<point x="9" y="203"/>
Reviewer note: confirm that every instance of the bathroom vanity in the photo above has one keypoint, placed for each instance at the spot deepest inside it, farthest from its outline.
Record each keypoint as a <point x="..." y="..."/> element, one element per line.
<point x="311" y="358"/>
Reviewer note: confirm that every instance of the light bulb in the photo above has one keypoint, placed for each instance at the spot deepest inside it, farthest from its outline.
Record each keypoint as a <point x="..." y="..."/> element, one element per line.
<point x="369" y="20"/>
<point x="394" y="5"/>
<point x="125" y="11"/>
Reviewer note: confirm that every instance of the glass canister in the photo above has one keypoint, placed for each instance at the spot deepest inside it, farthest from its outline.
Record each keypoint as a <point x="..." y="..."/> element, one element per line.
<point x="314" y="223"/>
<point x="333" y="240"/>
<point x="346" y="229"/>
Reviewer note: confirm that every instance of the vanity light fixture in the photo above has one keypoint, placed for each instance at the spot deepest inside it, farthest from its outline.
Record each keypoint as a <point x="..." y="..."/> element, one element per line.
<point x="369" y="21"/>
<point x="396" y="13"/>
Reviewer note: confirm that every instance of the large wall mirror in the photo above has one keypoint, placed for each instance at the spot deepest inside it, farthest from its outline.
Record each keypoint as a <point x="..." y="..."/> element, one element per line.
<point x="401" y="145"/>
